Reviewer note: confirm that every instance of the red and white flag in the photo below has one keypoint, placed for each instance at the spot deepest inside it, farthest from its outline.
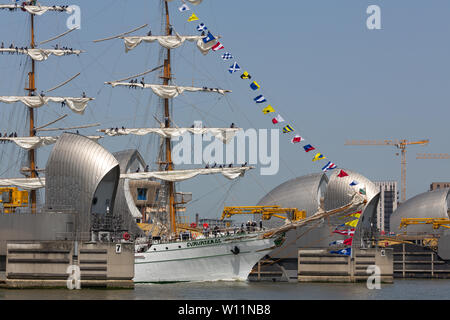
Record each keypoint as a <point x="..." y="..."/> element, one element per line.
<point x="277" y="119"/>
<point x="297" y="139"/>
<point x="349" y="232"/>
<point x="217" y="46"/>
<point x="342" y="174"/>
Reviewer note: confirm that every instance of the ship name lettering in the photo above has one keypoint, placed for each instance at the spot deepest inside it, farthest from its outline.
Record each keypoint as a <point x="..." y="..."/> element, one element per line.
<point x="203" y="242"/>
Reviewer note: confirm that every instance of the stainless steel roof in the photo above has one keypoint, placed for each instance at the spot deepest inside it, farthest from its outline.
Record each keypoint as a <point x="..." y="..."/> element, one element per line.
<point x="367" y="224"/>
<point x="127" y="158"/>
<point x="75" y="169"/>
<point x="431" y="204"/>
<point x="124" y="205"/>
<point x="339" y="191"/>
<point x="302" y="192"/>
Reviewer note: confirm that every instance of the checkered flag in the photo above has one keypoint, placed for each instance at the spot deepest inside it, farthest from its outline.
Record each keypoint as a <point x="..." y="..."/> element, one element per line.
<point x="227" y="56"/>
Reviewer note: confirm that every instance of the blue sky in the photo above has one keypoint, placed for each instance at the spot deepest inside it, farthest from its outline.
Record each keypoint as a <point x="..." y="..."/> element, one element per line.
<point x="316" y="61"/>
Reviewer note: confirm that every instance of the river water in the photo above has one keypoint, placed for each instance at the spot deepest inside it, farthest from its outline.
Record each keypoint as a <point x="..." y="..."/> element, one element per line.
<point x="410" y="289"/>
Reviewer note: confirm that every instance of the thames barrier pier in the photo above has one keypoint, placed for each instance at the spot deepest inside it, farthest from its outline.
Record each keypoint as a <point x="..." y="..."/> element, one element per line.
<point x="77" y="229"/>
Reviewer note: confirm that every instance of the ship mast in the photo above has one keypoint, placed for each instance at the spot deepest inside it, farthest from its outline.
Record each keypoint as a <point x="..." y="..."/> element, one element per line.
<point x="167" y="130"/>
<point x="33" y="100"/>
<point x="167" y="122"/>
<point x="31" y="89"/>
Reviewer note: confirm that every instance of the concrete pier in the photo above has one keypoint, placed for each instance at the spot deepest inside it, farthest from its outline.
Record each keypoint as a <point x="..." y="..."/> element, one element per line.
<point x="53" y="263"/>
<point x="320" y="266"/>
<point x="418" y="261"/>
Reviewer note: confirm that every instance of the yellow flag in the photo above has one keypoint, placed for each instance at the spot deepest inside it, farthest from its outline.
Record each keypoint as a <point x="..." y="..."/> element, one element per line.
<point x="356" y="215"/>
<point x="268" y="109"/>
<point x="352" y="223"/>
<point x="246" y="75"/>
<point x="318" y="156"/>
<point x="193" y="17"/>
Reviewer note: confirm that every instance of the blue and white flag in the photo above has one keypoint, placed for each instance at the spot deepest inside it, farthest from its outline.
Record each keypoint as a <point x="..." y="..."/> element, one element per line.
<point x="227" y="56"/>
<point x="354" y="183"/>
<point x="201" y="27"/>
<point x="346" y="251"/>
<point x="209" y="37"/>
<point x="234" y="67"/>
<point x="336" y="242"/>
<point x="184" y="7"/>
<point x="329" y="166"/>
<point x="260" y="99"/>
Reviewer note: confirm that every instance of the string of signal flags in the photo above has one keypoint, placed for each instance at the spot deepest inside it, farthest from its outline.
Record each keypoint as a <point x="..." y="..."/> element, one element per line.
<point x="277" y="119"/>
<point x="268" y="109"/>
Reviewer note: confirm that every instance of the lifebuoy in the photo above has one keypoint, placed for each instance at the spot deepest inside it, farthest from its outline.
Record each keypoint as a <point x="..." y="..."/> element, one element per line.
<point x="126" y="236"/>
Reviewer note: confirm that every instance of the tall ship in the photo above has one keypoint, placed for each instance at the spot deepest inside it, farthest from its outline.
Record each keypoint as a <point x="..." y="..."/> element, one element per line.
<point x="171" y="254"/>
<point x="169" y="251"/>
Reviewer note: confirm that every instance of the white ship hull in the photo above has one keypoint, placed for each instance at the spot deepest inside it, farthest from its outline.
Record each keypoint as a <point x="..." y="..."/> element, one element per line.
<point x="210" y="259"/>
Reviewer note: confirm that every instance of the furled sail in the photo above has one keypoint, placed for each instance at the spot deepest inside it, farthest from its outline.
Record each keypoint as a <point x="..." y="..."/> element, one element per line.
<point x="24" y="183"/>
<point x="174" y="176"/>
<point x="41" y="54"/>
<point x="224" y="134"/>
<point x="180" y="175"/>
<point x="168" y="42"/>
<point x="36" y="142"/>
<point x="77" y="105"/>
<point x="37" y="10"/>
<point x="166" y="91"/>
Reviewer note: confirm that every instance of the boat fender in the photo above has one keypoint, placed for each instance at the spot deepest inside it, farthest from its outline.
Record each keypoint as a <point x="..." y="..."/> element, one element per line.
<point x="235" y="250"/>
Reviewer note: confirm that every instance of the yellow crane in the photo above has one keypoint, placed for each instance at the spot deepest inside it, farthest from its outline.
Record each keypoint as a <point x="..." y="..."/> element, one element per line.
<point x="432" y="156"/>
<point x="12" y="198"/>
<point x="266" y="212"/>
<point x="399" y="144"/>
<point x="436" y="222"/>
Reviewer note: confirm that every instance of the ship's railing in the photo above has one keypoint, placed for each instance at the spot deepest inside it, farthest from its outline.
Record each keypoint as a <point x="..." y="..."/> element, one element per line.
<point x="207" y="234"/>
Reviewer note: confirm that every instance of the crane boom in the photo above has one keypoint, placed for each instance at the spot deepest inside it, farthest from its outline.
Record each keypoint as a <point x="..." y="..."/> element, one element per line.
<point x="436" y="222"/>
<point x="267" y="212"/>
<point x="400" y="144"/>
<point x="432" y="156"/>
